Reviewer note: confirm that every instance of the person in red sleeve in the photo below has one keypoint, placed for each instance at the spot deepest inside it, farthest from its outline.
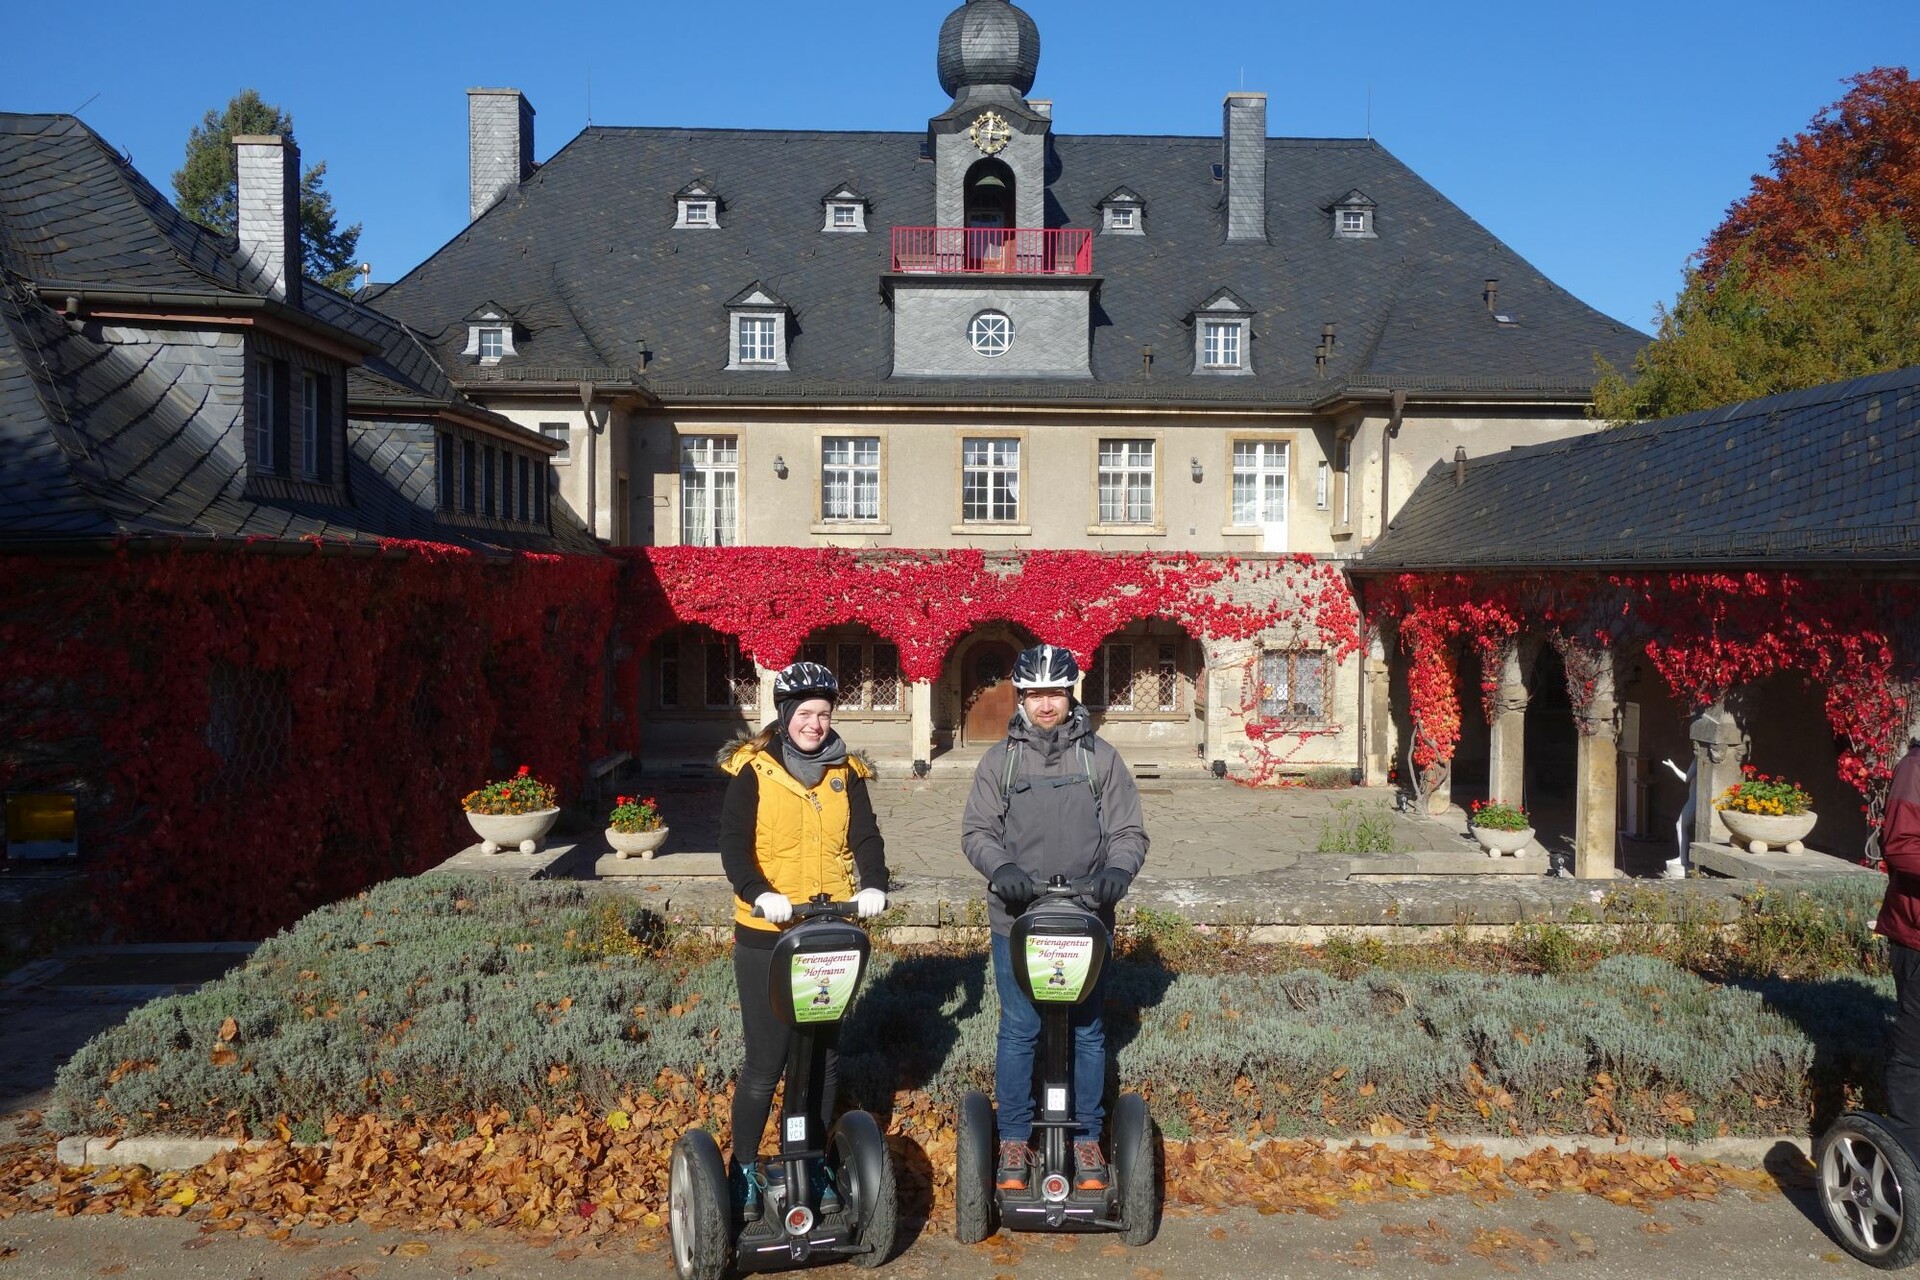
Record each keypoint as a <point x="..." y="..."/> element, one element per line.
<point x="1899" y="923"/>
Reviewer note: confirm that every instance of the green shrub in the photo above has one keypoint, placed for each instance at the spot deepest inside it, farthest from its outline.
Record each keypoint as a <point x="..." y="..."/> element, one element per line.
<point x="1356" y="826"/>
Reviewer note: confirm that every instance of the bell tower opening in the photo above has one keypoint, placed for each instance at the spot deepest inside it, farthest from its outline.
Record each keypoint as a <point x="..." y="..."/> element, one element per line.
<point x="989" y="198"/>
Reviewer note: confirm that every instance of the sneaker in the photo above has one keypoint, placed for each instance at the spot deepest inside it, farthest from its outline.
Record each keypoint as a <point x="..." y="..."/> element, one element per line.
<point x="824" y="1190"/>
<point x="1092" y="1169"/>
<point x="747" y="1186"/>
<point x="1015" y="1157"/>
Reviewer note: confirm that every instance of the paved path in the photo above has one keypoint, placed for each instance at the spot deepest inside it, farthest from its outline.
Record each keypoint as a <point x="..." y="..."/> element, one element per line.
<point x="1563" y="1237"/>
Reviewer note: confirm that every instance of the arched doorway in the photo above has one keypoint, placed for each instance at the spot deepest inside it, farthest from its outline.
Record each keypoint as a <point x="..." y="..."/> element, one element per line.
<point x="1473" y="753"/>
<point x="986" y="691"/>
<point x="1785" y="715"/>
<point x="989" y="206"/>
<point x="1550" y="778"/>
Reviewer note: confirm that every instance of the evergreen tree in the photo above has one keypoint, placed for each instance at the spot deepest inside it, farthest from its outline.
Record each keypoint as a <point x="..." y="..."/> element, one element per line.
<point x="206" y="188"/>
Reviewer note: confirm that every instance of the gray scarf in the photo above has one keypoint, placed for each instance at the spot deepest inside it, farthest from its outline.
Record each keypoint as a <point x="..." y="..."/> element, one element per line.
<point x="807" y="769"/>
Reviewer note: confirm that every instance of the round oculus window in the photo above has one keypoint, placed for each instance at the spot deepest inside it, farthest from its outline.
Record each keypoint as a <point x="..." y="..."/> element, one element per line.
<point x="991" y="333"/>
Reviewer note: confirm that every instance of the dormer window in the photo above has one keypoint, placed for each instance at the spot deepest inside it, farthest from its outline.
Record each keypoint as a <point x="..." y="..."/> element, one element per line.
<point x="699" y="207"/>
<point x="1353" y="217"/>
<point x="1121" y="213"/>
<point x="846" y="211"/>
<point x="490" y="334"/>
<point x="758" y="325"/>
<point x="1222" y="330"/>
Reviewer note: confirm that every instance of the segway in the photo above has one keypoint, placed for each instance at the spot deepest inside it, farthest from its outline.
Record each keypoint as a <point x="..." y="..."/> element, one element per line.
<point x="1869" y="1185"/>
<point x="822" y="959"/>
<point x="1059" y="948"/>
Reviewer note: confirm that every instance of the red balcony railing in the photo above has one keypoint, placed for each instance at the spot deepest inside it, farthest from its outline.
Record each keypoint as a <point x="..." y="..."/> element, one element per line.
<point x="1015" y="251"/>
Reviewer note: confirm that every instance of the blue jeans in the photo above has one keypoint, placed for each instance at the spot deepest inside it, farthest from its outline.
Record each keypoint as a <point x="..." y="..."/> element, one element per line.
<point x="1020" y="1041"/>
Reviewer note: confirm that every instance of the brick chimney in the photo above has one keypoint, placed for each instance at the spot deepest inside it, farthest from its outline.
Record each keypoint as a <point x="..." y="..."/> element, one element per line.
<point x="1245" y="171"/>
<point x="268" y="173"/>
<point x="499" y="146"/>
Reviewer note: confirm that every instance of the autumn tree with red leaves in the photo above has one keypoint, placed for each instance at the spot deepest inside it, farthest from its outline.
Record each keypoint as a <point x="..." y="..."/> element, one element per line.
<point x="1813" y="277"/>
<point x="1858" y="161"/>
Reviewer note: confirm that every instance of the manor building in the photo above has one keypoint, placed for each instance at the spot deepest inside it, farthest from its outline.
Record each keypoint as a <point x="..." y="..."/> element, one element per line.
<point x="992" y="335"/>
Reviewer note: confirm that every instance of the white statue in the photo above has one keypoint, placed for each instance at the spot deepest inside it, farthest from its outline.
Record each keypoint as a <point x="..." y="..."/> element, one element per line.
<point x="1676" y="868"/>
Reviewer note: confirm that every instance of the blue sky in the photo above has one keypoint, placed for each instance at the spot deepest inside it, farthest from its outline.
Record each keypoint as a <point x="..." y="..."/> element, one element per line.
<point x="1601" y="142"/>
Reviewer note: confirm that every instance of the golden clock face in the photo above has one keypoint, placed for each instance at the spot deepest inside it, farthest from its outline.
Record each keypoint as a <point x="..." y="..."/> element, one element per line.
<point x="990" y="133"/>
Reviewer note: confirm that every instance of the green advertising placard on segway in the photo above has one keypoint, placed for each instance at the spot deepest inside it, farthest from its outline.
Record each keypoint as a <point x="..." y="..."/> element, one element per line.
<point x="823" y="983"/>
<point x="1057" y="967"/>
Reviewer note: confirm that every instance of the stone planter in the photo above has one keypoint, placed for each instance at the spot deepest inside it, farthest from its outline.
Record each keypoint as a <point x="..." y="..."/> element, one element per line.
<point x="1498" y="842"/>
<point x="1762" y="831"/>
<point x="524" y="831"/>
<point x="642" y="844"/>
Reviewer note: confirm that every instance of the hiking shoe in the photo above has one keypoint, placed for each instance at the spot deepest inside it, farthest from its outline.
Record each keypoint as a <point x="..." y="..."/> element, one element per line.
<point x="1091" y="1169"/>
<point x="1015" y="1157"/>
<point x="824" y="1190"/>
<point x="747" y="1186"/>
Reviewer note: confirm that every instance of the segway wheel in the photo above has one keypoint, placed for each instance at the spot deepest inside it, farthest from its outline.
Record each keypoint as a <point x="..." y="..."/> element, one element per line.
<point x="1869" y="1190"/>
<point x="1136" y="1168"/>
<point x="974" y="1204"/>
<point x="699" y="1213"/>
<point x="864" y="1168"/>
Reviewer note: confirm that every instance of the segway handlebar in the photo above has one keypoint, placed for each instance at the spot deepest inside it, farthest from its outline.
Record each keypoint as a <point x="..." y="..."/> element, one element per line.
<point x="820" y="905"/>
<point x="1077" y="891"/>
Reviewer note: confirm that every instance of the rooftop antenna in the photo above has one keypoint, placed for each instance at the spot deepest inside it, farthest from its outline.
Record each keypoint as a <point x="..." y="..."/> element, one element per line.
<point x="589" y="97"/>
<point x="1369" y="113"/>
<point x="83" y="106"/>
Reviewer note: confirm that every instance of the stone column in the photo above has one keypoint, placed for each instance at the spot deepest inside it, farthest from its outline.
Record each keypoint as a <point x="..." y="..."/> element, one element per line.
<point x="765" y="713"/>
<point x="1596" y="771"/>
<point x="1507" y="756"/>
<point x="1377" y="682"/>
<point x="1223" y="677"/>
<point x="1719" y="749"/>
<point x="920" y="721"/>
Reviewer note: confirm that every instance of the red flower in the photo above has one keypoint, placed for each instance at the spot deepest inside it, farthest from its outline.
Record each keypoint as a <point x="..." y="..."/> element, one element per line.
<point x="524" y="771"/>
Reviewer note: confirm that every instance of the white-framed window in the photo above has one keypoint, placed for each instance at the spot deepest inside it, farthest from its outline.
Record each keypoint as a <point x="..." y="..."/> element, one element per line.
<point x="1323" y="487"/>
<point x="1221" y="339"/>
<point x="561" y="434"/>
<point x="1293" y="684"/>
<point x="1353" y="221"/>
<point x="1259" y="482"/>
<point x="709" y="491"/>
<point x="990" y="334"/>
<point x="850" y="478"/>
<point x="1124" y="217"/>
<point x="1126" y="482"/>
<point x="756" y="339"/>
<point x="990" y="481"/>
<point x="493" y="343"/>
<point x="264" y="401"/>
<point x="846" y="216"/>
<point x="698" y="213"/>
<point x="310" y="426"/>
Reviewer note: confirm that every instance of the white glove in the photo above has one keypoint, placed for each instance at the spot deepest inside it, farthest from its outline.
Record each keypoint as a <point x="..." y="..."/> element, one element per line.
<point x="775" y="907"/>
<point x="869" y="903"/>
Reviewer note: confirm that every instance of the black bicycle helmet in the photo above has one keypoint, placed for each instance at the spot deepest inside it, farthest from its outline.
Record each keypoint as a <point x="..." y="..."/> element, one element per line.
<point x="804" y="680"/>
<point x="1045" y="666"/>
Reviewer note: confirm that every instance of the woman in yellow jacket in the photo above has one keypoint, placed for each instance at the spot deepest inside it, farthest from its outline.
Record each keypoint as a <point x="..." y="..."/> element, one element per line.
<point x="797" y="821"/>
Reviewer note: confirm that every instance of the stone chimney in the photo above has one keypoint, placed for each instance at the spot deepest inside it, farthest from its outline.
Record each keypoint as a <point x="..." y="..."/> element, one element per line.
<point x="499" y="146"/>
<point x="1245" y="171"/>
<point x="268" y="173"/>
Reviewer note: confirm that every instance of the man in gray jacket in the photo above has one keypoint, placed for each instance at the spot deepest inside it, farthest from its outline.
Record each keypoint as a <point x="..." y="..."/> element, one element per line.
<point x="1053" y="799"/>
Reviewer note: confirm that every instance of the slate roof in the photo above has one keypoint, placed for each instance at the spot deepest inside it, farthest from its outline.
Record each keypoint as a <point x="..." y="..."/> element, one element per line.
<point x="1828" y="474"/>
<point x="585" y="256"/>
<point x="104" y="438"/>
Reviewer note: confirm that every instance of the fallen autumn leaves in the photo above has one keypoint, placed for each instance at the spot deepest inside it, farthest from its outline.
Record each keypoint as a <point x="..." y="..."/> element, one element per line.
<point x="573" y="1176"/>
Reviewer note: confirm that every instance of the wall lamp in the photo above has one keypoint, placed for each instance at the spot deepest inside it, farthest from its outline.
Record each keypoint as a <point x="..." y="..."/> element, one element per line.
<point x="1198" y="473"/>
<point x="780" y="466"/>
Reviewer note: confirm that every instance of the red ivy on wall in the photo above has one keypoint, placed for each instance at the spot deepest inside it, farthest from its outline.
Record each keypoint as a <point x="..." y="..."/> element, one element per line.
<point x="773" y="598"/>
<point x="380" y="689"/>
<point x="1706" y="634"/>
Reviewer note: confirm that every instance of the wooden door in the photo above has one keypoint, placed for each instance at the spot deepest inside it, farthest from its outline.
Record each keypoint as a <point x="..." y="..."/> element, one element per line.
<point x="987" y="691"/>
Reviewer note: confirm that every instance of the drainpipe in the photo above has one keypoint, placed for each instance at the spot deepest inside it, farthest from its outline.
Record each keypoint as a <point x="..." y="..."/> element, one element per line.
<point x="1387" y="437"/>
<point x="587" y="393"/>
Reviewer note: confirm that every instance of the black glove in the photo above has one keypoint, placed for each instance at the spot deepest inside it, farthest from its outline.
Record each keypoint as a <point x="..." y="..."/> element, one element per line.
<point x="1013" y="885"/>
<point x="1109" y="886"/>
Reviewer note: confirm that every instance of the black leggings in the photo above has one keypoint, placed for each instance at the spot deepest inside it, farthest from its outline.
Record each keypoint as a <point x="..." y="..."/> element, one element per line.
<point x="766" y="1040"/>
<point x="1903" y="1042"/>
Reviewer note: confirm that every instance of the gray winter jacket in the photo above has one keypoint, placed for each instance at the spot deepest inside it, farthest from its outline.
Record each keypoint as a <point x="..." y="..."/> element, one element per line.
<point x="1049" y="825"/>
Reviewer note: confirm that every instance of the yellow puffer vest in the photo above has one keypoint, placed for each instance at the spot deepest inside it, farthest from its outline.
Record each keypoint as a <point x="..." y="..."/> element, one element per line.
<point x="799" y="834"/>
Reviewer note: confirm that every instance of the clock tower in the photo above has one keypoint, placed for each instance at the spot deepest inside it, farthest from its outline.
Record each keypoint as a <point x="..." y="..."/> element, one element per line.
<point x="990" y="147"/>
